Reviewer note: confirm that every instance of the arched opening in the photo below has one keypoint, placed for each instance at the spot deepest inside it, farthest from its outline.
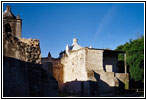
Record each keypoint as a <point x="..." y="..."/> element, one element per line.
<point x="7" y="28"/>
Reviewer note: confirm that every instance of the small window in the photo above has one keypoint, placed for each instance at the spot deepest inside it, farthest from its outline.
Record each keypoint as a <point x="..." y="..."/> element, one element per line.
<point x="7" y="28"/>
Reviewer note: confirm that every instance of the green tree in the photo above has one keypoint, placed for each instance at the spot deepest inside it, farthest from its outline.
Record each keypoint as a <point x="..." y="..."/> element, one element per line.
<point x="135" y="57"/>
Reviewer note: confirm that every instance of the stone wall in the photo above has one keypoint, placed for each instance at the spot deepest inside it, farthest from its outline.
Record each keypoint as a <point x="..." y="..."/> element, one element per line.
<point x="74" y="73"/>
<point x="124" y="79"/>
<point x="74" y="66"/>
<point x="23" y="75"/>
<point x="15" y="78"/>
<point x="18" y="28"/>
<point x="55" y="68"/>
<point x="86" y="69"/>
<point x="24" y="79"/>
<point x="63" y="69"/>
<point x="84" y="72"/>
<point x="58" y="73"/>
<point x="94" y="59"/>
<point x="27" y="50"/>
<point x="107" y="83"/>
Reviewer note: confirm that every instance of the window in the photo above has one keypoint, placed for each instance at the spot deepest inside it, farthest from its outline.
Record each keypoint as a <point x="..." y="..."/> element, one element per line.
<point x="7" y="28"/>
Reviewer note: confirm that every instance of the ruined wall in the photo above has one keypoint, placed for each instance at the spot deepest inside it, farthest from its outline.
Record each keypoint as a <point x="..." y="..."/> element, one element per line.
<point x="27" y="50"/>
<point x="23" y="75"/>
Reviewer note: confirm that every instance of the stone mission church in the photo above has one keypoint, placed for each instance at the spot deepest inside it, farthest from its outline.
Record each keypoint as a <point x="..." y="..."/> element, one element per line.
<point x="79" y="70"/>
<point x="87" y="71"/>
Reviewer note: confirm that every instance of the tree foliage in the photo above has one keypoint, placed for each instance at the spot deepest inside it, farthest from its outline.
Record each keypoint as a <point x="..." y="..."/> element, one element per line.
<point x="135" y="57"/>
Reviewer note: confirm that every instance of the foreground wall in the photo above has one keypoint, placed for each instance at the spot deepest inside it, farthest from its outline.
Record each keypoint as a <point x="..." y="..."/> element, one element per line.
<point x="23" y="75"/>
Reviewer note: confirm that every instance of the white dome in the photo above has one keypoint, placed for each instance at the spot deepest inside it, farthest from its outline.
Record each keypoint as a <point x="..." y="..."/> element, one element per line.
<point x="76" y="47"/>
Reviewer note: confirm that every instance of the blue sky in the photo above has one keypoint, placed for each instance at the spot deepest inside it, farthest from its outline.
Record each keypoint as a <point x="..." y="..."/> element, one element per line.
<point x="101" y="25"/>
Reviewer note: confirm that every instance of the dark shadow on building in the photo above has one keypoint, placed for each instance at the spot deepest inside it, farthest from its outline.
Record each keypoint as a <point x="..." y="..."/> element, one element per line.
<point x="24" y="79"/>
<point x="89" y="88"/>
<point x="54" y="67"/>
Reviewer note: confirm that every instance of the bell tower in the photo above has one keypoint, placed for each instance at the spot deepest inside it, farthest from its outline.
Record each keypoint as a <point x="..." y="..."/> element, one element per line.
<point x="11" y="24"/>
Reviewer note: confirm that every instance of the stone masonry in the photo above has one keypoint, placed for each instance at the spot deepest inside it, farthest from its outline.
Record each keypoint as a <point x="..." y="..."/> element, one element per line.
<point x="27" y="50"/>
<point x="90" y="71"/>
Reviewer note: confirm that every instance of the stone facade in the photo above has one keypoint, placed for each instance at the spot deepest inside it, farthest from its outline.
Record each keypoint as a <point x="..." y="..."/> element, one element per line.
<point x="74" y="73"/>
<point x="94" y="59"/>
<point x="89" y="71"/>
<point x="94" y="65"/>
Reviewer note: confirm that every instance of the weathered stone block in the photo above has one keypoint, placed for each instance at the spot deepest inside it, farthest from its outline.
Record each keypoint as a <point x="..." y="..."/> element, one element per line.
<point x="124" y="78"/>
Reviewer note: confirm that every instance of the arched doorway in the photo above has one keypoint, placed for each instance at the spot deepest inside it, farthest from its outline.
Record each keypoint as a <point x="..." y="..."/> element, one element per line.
<point x="7" y="28"/>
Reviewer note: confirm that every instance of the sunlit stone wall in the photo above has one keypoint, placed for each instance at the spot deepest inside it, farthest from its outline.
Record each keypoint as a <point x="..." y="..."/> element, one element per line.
<point x="74" y="66"/>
